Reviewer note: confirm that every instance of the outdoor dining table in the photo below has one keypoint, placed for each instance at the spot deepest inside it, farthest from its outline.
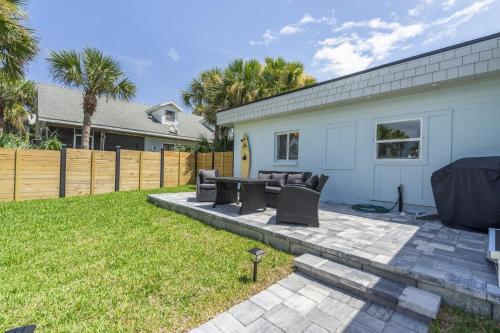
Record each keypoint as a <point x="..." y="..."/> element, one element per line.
<point x="252" y="193"/>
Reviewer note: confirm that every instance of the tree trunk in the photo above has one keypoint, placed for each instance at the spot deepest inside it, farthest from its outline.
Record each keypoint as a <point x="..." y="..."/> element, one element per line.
<point x="89" y="105"/>
<point x="2" y="114"/>
<point x="216" y="132"/>
<point x="87" y="124"/>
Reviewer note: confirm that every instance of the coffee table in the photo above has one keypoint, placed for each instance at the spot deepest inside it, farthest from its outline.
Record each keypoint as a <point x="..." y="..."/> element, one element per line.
<point x="252" y="193"/>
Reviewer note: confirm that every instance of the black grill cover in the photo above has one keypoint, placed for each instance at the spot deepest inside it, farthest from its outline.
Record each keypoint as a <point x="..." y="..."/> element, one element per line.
<point x="467" y="193"/>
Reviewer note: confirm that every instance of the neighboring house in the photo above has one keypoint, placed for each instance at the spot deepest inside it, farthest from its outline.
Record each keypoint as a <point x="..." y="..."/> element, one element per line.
<point x="115" y="123"/>
<point x="373" y="130"/>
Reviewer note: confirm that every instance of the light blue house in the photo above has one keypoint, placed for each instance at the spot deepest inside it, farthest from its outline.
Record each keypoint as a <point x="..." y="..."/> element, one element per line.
<point x="373" y="130"/>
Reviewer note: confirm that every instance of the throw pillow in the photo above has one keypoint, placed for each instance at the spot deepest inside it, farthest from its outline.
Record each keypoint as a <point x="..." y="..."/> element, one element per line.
<point x="312" y="182"/>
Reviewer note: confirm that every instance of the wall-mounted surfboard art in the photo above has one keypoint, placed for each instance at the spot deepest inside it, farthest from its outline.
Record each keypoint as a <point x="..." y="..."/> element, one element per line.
<point x="245" y="157"/>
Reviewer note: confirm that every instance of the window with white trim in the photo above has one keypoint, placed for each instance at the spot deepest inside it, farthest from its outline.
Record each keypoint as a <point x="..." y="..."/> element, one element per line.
<point x="399" y="140"/>
<point x="169" y="146"/>
<point x="77" y="139"/>
<point x="169" y="117"/>
<point x="287" y="146"/>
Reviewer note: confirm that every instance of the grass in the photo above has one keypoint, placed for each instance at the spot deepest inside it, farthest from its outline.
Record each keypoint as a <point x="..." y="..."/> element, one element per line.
<point x="115" y="263"/>
<point x="453" y="320"/>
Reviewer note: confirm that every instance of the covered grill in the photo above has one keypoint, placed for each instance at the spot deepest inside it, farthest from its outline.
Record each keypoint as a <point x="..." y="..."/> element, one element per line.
<point x="467" y="193"/>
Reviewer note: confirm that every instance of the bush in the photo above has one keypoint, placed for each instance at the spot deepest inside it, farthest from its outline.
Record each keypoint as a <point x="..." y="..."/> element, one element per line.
<point x="11" y="140"/>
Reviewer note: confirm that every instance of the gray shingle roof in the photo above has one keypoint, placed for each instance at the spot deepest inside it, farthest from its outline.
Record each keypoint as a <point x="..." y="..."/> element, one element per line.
<point x="62" y="105"/>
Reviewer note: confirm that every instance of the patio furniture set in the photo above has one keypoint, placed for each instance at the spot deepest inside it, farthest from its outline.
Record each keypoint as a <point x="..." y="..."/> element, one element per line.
<point x="295" y="195"/>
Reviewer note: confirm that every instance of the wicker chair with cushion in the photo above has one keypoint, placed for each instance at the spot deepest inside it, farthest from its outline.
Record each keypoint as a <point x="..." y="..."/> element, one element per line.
<point x="300" y="205"/>
<point x="205" y="188"/>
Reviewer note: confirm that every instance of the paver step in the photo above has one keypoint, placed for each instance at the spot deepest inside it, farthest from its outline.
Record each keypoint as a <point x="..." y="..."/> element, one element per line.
<point x="414" y="301"/>
<point x="300" y="303"/>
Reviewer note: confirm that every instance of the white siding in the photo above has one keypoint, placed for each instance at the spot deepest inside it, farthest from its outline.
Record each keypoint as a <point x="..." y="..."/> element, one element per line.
<point x="471" y="129"/>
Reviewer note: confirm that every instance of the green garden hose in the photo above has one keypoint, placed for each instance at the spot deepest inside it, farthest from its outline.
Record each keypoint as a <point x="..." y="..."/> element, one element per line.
<point x="371" y="209"/>
<point x="379" y="209"/>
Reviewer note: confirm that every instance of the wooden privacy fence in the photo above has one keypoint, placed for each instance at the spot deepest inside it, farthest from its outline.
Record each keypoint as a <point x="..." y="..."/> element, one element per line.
<point x="38" y="174"/>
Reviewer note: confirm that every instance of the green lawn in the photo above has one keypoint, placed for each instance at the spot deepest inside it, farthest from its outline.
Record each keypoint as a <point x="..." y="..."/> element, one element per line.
<point x="115" y="262"/>
<point x="452" y="320"/>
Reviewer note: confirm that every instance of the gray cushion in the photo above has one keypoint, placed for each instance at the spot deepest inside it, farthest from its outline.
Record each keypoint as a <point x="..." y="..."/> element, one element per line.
<point x="278" y="179"/>
<point x="273" y="189"/>
<point x="295" y="178"/>
<point x="312" y="182"/>
<point x="204" y="174"/>
<point x="207" y="186"/>
<point x="266" y="176"/>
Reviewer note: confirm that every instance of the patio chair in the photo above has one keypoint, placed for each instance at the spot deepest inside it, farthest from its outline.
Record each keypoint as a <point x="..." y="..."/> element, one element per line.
<point x="300" y="205"/>
<point x="205" y="188"/>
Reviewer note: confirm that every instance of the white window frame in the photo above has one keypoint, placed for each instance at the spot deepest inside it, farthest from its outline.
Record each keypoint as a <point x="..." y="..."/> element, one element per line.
<point x="169" y="143"/>
<point x="419" y="139"/>
<point x="286" y="161"/>
<point x="75" y="135"/>
<point x="164" y="117"/>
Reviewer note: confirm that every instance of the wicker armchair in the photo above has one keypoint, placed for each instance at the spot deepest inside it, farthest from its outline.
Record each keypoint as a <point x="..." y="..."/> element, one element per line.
<point x="205" y="189"/>
<point x="300" y="205"/>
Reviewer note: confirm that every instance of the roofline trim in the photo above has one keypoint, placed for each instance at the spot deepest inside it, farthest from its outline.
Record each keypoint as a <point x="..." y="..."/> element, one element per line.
<point x="159" y="106"/>
<point x="397" y="62"/>
<point x="118" y="129"/>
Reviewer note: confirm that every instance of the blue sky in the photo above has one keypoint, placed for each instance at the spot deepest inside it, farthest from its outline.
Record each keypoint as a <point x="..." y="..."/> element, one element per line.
<point x="162" y="45"/>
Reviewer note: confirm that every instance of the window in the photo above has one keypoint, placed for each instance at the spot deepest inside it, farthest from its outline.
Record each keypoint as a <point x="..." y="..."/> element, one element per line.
<point x="77" y="139"/>
<point x="169" y="146"/>
<point x="287" y="146"/>
<point x="399" y="139"/>
<point x="169" y="116"/>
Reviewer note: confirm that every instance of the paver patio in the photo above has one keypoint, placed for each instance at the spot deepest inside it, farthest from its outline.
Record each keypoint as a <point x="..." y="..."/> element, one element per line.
<point x="425" y="254"/>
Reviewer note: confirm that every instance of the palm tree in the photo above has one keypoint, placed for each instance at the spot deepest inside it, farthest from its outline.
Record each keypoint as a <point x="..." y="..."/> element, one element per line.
<point x="17" y="101"/>
<point x="239" y="83"/>
<point x="18" y="45"/>
<point x="96" y="75"/>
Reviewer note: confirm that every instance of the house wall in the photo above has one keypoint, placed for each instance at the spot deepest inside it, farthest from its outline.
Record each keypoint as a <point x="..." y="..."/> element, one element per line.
<point x="155" y="144"/>
<point x="461" y="121"/>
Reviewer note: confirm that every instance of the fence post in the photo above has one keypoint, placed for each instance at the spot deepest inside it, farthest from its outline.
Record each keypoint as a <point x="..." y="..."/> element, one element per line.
<point x="17" y="175"/>
<point x="223" y="171"/>
<point x="195" y="165"/>
<point x="117" y="169"/>
<point x="213" y="159"/>
<point x="62" y="173"/>
<point x="140" y="170"/>
<point x="179" y="170"/>
<point x="162" y="167"/>
<point x="92" y="172"/>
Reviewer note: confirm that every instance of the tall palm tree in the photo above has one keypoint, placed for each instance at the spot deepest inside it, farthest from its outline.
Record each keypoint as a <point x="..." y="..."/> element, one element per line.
<point x="17" y="101"/>
<point x="18" y="45"/>
<point x="96" y="75"/>
<point x="241" y="82"/>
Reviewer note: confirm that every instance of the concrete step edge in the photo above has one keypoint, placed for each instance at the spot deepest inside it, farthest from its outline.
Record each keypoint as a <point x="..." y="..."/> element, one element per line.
<point x="378" y="289"/>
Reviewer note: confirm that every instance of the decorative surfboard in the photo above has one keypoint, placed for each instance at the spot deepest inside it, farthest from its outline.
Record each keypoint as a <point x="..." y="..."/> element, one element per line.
<point x="245" y="157"/>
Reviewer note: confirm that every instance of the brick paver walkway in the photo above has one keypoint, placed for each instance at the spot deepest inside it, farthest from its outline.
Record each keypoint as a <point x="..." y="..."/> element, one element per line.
<point x="299" y="304"/>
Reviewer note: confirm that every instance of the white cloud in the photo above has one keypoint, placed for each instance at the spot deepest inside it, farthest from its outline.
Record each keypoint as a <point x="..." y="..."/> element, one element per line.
<point x="140" y="65"/>
<point x="172" y="53"/>
<point x="447" y="4"/>
<point x="419" y="7"/>
<point x="349" y="53"/>
<point x="342" y="59"/>
<point x="291" y="29"/>
<point x="448" y="25"/>
<point x="267" y="38"/>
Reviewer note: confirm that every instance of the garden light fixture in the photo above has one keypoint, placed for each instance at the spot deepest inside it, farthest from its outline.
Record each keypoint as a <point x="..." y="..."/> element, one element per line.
<point x="257" y="255"/>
